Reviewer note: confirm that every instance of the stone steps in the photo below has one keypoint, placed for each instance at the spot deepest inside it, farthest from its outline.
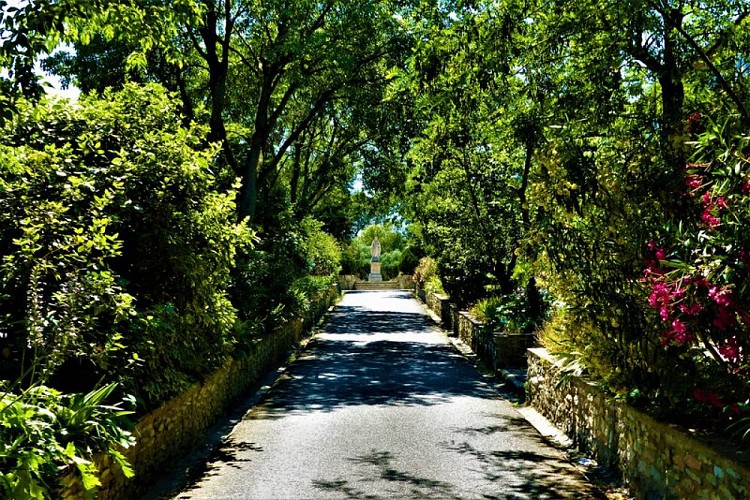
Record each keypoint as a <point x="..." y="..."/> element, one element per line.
<point x="383" y="285"/>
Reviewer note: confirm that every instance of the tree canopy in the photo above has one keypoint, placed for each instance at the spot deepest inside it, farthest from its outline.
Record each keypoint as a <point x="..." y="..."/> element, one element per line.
<point x="582" y="164"/>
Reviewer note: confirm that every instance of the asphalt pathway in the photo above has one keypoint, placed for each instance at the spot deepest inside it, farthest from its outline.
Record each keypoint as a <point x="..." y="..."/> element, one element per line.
<point x="381" y="405"/>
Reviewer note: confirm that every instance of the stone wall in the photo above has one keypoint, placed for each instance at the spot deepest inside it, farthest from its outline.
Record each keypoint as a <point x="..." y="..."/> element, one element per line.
<point x="497" y="349"/>
<point x="655" y="460"/>
<point x="510" y="349"/>
<point x="440" y="305"/>
<point x="166" y="433"/>
<point x="470" y="331"/>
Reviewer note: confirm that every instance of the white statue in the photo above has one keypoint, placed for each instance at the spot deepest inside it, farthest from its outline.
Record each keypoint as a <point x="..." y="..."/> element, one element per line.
<point x="375" y="249"/>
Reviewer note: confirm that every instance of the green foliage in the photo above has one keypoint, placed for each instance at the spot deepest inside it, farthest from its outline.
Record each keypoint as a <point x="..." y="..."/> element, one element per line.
<point x="284" y="274"/>
<point x="357" y="254"/>
<point x="322" y="249"/>
<point x="116" y="242"/>
<point x="551" y="148"/>
<point x="698" y="273"/>
<point x="44" y="433"/>
<point x="426" y="276"/>
<point x="506" y="314"/>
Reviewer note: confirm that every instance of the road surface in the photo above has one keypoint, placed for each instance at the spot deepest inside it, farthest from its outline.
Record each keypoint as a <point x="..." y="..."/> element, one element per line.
<point x="381" y="405"/>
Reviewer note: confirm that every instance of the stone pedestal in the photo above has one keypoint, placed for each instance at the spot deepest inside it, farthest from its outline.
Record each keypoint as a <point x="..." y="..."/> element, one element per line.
<point x="375" y="276"/>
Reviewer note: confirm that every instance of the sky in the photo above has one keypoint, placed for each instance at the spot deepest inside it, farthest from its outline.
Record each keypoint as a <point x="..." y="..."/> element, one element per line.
<point x="55" y="87"/>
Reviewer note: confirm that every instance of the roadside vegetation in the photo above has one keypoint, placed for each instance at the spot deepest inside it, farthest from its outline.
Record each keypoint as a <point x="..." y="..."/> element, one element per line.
<point x="576" y="168"/>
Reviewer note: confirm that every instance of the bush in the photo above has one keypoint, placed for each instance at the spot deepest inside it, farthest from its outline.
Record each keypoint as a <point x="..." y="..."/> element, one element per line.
<point x="506" y="313"/>
<point x="698" y="275"/>
<point x="115" y="243"/>
<point x="426" y="277"/>
<point x="322" y="250"/>
<point x="426" y="269"/>
<point x="44" y="433"/>
<point x="284" y="274"/>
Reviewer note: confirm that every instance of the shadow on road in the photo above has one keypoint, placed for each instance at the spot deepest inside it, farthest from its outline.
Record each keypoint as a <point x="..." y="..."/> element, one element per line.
<point x="381" y="372"/>
<point x="379" y="464"/>
<point x="342" y="373"/>
<point x="369" y="357"/>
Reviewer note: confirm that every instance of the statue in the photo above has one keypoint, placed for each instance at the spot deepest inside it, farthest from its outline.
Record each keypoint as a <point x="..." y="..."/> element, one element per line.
<point x="375" y="276"/>
<point x="375" y="249"/>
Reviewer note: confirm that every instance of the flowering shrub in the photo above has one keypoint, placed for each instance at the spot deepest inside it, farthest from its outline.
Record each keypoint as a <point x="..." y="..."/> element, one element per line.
<point x="699" y="276"/>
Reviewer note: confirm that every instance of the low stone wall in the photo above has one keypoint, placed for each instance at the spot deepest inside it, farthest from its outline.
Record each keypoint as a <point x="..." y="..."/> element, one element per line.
<point x="654" y="459"/>
<point x="470" y="331"/>
<point x="497" y="349"/>
<point x="166" y="433"/>
<point x="511" y="348"/>
<point x="440" y="305"/>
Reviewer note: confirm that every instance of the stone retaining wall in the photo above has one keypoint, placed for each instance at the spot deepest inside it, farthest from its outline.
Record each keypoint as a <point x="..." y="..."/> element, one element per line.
<point x="654" y="459"/>
<point x="470" y="331"/>
<point x="497" y="349"/>
<point x="166" y="433"/>
<point x="440" y="305"/>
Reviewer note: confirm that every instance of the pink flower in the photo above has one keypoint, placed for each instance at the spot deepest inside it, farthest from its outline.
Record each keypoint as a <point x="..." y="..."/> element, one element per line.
<point x="692" y="309"/>
<point x="730" y="350"/>
<point x="721" y="296"/>
<point x="679" y="327"/>
<point x="710" y="218"/>
<point x="721" y="203"/>
<point x="664" y="313"/>
<point x="724" y="319"/>
<point x="661" y="254"/>
<point x="694" y="181"/>
<point x="745" y="187"/>
<point x="706" y="198"/>
<point x="708" y="397"/>
<point x="660" y="295"/>
<point x="679" y="333"/>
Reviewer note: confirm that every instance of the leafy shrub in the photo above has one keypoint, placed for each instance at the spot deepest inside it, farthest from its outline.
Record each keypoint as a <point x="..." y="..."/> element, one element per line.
<point x="44" y="432"/>
<point x="284" y="274"/>
<point x="426" y="270"/>
<point x="390" y="263"/>
<point x="434" y="285"/>
<point x="115" y="242"/>
<point x="598" y="200"/>
<point x="409" y="260"/>
<point x="355" y="258"/>
<point x="505" y="313"/>
<point x="322" y="250"/>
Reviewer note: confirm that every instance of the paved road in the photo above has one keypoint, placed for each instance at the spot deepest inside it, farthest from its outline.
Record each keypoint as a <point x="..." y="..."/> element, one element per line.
<point x="382" y="406"/>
